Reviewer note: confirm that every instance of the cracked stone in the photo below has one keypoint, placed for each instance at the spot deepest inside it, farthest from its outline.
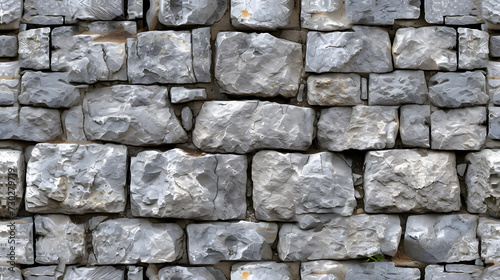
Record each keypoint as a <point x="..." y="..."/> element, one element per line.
<point x="261" y="271"/>
<point x="334" y="89"/>
<point x="473" y="48"/>
<point x="8" y="46"/>
<point x="453" y="90"/>
<point x="48" y="90"/>
<point x="93" y="273"/>
<point x="261" y="14"/>
<point x="182" y="94"/>
<point x="188" y="12"/>
<point x="72" y="121"/>
<point x="491" y="13"/>
<point x="327" y="15"/>
<point x="195" y="273"/>
<point x="10" y="14"/>
<point x="34" y="48"/>
<point x="323" y="270"/>
<point x="12" y="173"/>
<point x="493" y="81"/>
<point x="23" y="236"/>
<point x="453" y="11"/>
<point x="414" y="127"/>
<point x="398" y="87"/>
<point x="203" y="51"/>
<point x="377" y="12"/>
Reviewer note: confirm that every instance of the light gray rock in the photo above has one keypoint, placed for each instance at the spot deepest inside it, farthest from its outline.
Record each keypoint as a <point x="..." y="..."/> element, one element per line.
<point x="257" y="64"/>
<point x="493" y="81"/>
<point x="145" y="116"/>
<point x="9" y="82"/>
<point x="72" y="121"/>
<point x="325" y="15"/>
<point x="261" y="271"/>
<point x="398" y="87"/>
<point x="261" y="14"/>
<point x="178" y="184"/>
<point x="182" y="94"/>
<point x="210" y="243"/>
<point x="39" y="124"/>
<point x="453" y="90"/>
<point x="252" y="125"/>
<point x="324" y="270"/>
<point x="453" y="272"/>
<point x="48" y="90"/>
<point x="76" y="179"/>
<point x="416" y="180"/>
<point x="491" y="13"/>
<point x="42" y="273"/>
<point x="441" y="238"/>
<point x="10" y="14"/>
<point x="13" y="172"/>
<point x="134" y="9"/>
<point x="8" y="45"/>
<point x="187" y="12"/>
<point x="341" y="238"/>
<point x="190" y="273"/>
<point x="9" y="117"/>
<point x="451" y="11"/>
<point x="367" y="49"/>
<point x="494" y="46"/>
<point x="187" y="118"/>
<point x="10" y="70"/>
<point x="135" y="272"/>
<point x="334" y="89"/>
<point x="491" y="273"/>
<point x="34" y="48"/>
<point x="473" y="48"/>
<point x="93" y="273"/>
<point x="202" y="50"/>
<point x="48" y="12"/>
<point x="458" y="129"/>
<point x="414" y="128"/>
<point x="89" y="10"/>
<point x="426" y="48"/>
<point x="19" y="250"/>
<point x="487" y="231"/>
<point x="378" y="12"/>
<point x="494" y="122"/>
<point x="289" y="184"/>
<point x="8" y="272"/>
<point x="359" y="127"/>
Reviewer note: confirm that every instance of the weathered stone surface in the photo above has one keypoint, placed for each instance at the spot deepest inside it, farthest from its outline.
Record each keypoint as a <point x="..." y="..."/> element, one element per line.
<point x="261" y="14"/>
<point x="491" y="273"/>
<point x="487" y="231"/>
<point x="42" y="273"/>
<point x="377" y="12"/>
<point x="325" y="15"/>
<point x="76" y="179"/>
<point x="48" y="12"/>
<point x="21" y="231"/>
<point x="38" y="124"/>
<point x="34" y="48"/>
<point x="186" y="12"/>
<point x="324" y="270"/>
<point x="135" y="272"/>
<point x="8" y="45"/>
<point x="9" y="117"/>
<point x="72" y="121"/>
<point x="367" y="49"/>
<point x="453" y="272"/>
<point x="251" y="125"/>
<point x="491" y="13"/>
<point x="473" y="48"/>
<point x="289" y="184"/>
<point x="257" y="64"/>
<point x="239" y="241"/>
<point x="398" y="87"/>
<point x="8" y="272"/>
<point x="145" y="116"/>
<point x="494" y="46"/>
<point x="9" y="82"/>
<point x="493" y="81"/>
<point x="360" y="127"/>
<point x="426" y="48"/>
<point x="48" y="90"/>
<point x="93" y="273"/>
<point x="10" y="14"/>
<point x="177" y="184"/>
<point x="11" y="181"/>
<point x="91" y="10"/>
<point x="341" y="238"/>
<point x="414" y="128"/>
<point x="444" y="11"/>
<point x="182" y="94"/>
<point x="494" y="122"/>
<point x="202" y="50"/>
<point x="188" y="273"/>
<point x="334" y="90"/>
<point x="417" y="180"/>
<point x="187" y="118"/>
<point x="458" y="129"/>
<point x="134" y="9"/>
<point x="453" y="90"/>
<point x="441" y="238"/>
<point x="261" y="271"/>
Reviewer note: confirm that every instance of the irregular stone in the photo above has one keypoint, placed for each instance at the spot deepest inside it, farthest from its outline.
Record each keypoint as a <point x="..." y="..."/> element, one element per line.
<point x="426" y="48"/>
<point x="441" y="238"/>
<point x="42" y="273"/>
<point x="55" y="12"/>
<point x="34" y="48"/>
<point x="9" y="83"/>
<point x="145" y="116"/>
<point x="493" y="81"/>
<point x="48" y="12"/>
<point x="187" y="118"/>
<point x="8" y="45"/>
<point x="39" y="124"/>
<point x="491" y="13"/>
<point x="210" y="243"/>
<point x="473" y="48"/>
<point x="110" y="30"/>
<point x="325" y="15"/>
<point x="257" y="64"/>
<point x="453" y="272"/>
<point x="261" y="271"/>
<point x="195" y="273"/>
<point x="12" y="174"/>
<point x="8" y="272"/>
<point x="442" y="11"/>
<point x="367" y="49"/>
<point x="289" y="184"/>
<point x="494" y="122"/>
<point x="10" y="14"/>
<point x="93" y="273"/>
<point x="414" y="128"/>
<point x="10" y="70"/>
<point x="377" y="12"/>
<point x="458" y="129"/>
<point x="122" y="241"/>
<point x="318" y="270"/>
<point x="76" y="179"/>
<point x="185" y="12"/>
<point x="134" y="9"/>
<point x="359" y="127"/>
<point x="494" y="46"/>
<point x="9" y="117"/>
<point x="48" y="89"/>
<point x="453" y="90"/>
<point x="261" y="14"/>
<point x="72" y="121"/>
<point x="341" y="238"/>
<point x="334" y="90"/>
<point x="491" y="273"/>
<point x="19" y="250"/>
<point x="416" y="180"/>
<point x="203" y="51"/>
<point x="251" y="125"/>
<point x="177" y="184"/>
<point x="398" y="87"/>
<point x="487" y="231"/>
<point x="182" y="94"/>
<point x="90" y="10"/>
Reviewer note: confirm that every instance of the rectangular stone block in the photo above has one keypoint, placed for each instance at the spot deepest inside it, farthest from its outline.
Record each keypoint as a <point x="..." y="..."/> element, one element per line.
<point x="48" y="89"/>
<point x="198" y="273"/>
<point x="12" y="173"/>
<point x="261" y="271"/>
<point x="8" y="272"/>
<point x="453" y="90"/>
<point x="185" y="12"/>
<point x="414" y="128"/>
<point x="494" y="122"/>
<point x="318" y="270"/>
<point x="16" y="245"/>
<point x="182" y="94"/>
<point x="453" y="272"/>
<point x="34" y="48"/>
<point x="487" y="231"/>
<point x="50" y="272"/>
<point x="493" y="81"/>
<point x="48" y="12"/>
<point x="88" y="272"/>
<point x="495" y="46"/>
<point x="328" y="15"/>
<point x="202" y="50"/>
<point x="473" y="48"/>
<point x="12" y="10"/>
<point x="8" y="46"/>
<point x="134" y="9"/>
<point x="261" y="14"/>
<point x="72" y="121"/>
<point x="490" y="11"/>
<point x="334" y="89"/>
<point x="398" y="87"/>
<point x="9" y="82"/>
<point x="442" y="11"/>
<point x="377" y="11"/>
<point x="38" y="124"/>
<point x="89" y="10"/>
<point x="9" y="117"/>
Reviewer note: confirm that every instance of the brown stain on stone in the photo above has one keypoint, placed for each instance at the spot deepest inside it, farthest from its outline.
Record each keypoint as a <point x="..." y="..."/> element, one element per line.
<point x="245" y="275"/>
<point x="245" y="13"/>
<point x="115" y="37"/>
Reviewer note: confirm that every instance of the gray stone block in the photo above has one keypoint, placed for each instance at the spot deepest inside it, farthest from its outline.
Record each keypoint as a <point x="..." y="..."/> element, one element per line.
<point x="135" y="272"/>
<point x="39" y="124"/>
<point x="34" y="48"/>
<point x="12" y="172"/>
<point x="324" y="270"/>
<point x="93" y="273"/>
<point x="494" y="122"/>
<point x="182" y="94"/>
<point x="493" y="81"/>
<point x="334" y="90"/>
<point x="198" y="273"/>
<point x="325" y="15"/>
<point x="495" y="46"/>
<point x="89" y="10"/>
<point x="186" y="12"/>
<point x="414" y="128"/>
<point x="261" y="14"/>
<point x="12" y="10"/>
<point x="377" y="12"/>
<point x="491" y="273"/>
<point x="453" y="272"/>
<point x="487" y="231"/>
<point x="21" y="231"/>
<point x="444" y="11"/>
<point x="473" y="48"/>
<point x="42" y="273"/>
<point x="8" y="45"/>
<point x="47" y="89"/>
<point x="9" y="82"/>
<point x="134" y="9"/>
<point x="187" y="118"/>
<point x="48" y="12"/>
<point x="9" y="117"/>
<point x="491" y="13"/>
<point x="72" y="121"/>
<point x="398" y="87"/>
<point x="202" y="50"/>
<point x="261" y="271"/>
<point x="8" y="272"/>
<point x="453" y="90"/>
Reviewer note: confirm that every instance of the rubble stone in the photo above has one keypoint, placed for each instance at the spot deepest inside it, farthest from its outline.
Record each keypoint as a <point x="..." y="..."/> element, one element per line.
<point x="261" y="14"/>
<point x="327" y="15"/>
<point x="453" y="90"/>
<point x="334" y="89"/>
<point x="34" y="48"/>
<point x="12" y="173"/>
<point x="11" y="13"/>
<point x="473" y="48"/>
<point x="8" y="46"/>
<point x="21" y="231"/>
<point x="321" y="270"/>
<point x="444" y="11"/>
<point x="377" y="12"/>
<point x="48" y="90"/>
<point x="414" y="128"/>
<point x="182" y="94"/>
<point x="261" y="271"/>
<point x="398" y="87"/>
<point x="200" y="273"/>
<point x="90" y="10"/>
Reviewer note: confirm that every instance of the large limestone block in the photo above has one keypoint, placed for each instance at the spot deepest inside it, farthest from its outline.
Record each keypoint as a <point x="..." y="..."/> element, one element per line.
<point x="453" y="90"/>
<point x="359" y="127"/>
<point x="76" y="179"/>
<point x="325" y="15"/>
<point x="210" y="243"/>
<point x="16" y="243"/>
<point x="93" y="273"/>
<point x="453" y="11"/>
<point x="261" y="14"/>
<point x="38" y="124"/>
<point x="188" y="12"/>
<point x="473" y="48"/>
<point x="341" y="238"/>
<point x="453" y="272"/>
<point x="367" y="49"/>
<point x="324" y="270"/>
<point x="414" y="128"/>
<point x="34" y="48"/>
<point x="420" y="181"/>
<point x="244" y="126"/>
<point x="334" y="89"/>
<point x="145" y="116"/>
<point x="48" y="89"/>
<point x="12" y="173"/>
<point x="487" y="231"/>
<point x="490" y="11"/>
<point x="398" y="87"/>
<point x="425" y="48"/>
<point x="194" y="273"/>
<point x="257" y="64"/>
<point x="261" y="271"/>
<point x="441" y="238"/>
<point x="10" y="14"/>
<point x="493" y="81"/>
<point x="377" y="11"/>
<point x="8" y="46"/>
<point x="177" y="184"/>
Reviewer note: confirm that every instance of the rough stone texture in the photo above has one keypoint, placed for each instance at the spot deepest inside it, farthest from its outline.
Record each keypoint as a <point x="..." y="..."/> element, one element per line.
<point x="238" y="241"/>
<point x="261" y="271"/>
<point x="491" y="273"/>
<point x="190" y="273"/>
<point x="23" y="237"/>
<point x="426" y="48"/>
<point x="414" y="128"/>
<point x="90" y="10"/>
<point x="360" y="127"/>
<point x="257" y="64"/>
<point x="12" y="172"/>
<point x="378" y="12"/>
<point x="341" y="238"/>
<point x="490" y="12"/>
<point x="76" y="179"/>
<point x="8" y="272"/>
<point x="59" y="240"/>
<point x="48" y="90"/>
<point x="34" y="48"/>
<point x="291" y="184"/>
<point x="367" y="49"/>
<point x="325" y="15"/>
<point x="458" y="129"/>
<point x="441" y="238"/>
<point x="453" y="90"/>
<point x="48" y="12"/>
<point x="473" y="48"/>
<point x="135" y="272"/>
<point x="145" y="116"/>
<point x="494" y="122"/>
<point x="9" y="82"/>
<point x="187" y="118"/>
<point x="177" y="184"/>
<point x="324" y="270"/>
<point x="487" y="231"/>
<point x="39" y="124"/>
<point x="42" y="273"/>
<point x="334" y="90"/>
<point x="203" y="54"/>
<point x="261" y="14"/>
<point x="8" y="122"/>
<point x="251" y="125"/>
<point x="442" y="11"/>
<point x="134" y="9"/>
<point x="10" y="14"/>
<point x="8" y="46"/>
<point x="182" y="94"/>
<point x="186" y="12"/>
<point x="93" y="273"/>
<point x="72" y="121"/>
<point x="453" y="272"/>
<point x="493" y="81"/>
<point x="494" y="46"/>
<point x="398" y="87"/>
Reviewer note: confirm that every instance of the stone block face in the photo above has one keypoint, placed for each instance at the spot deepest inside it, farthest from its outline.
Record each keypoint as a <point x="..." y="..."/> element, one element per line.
<point x="9" y="117"/>
<point x="398" y="87"/>
<point x="34" y="48"/>
<point x="12" y="173"/>
<point x="473" y="48"/>
<point x="41" y="273"/>
<point x="93" y="272"/>
<point x="441" y="238"/>
<point x="425" y="48"/>
<point x="202" y="50"/>
<point x="360" y="127"/>
<point x="8" y="46"/>
<point x="200" y="273"/>
<point x="487" y="231"/>
<point x="135" y="272"/>
<point x="322" y="270"/>
<point x="145" y="116"/>
<point x="8" y="272"/>
<point x="257" y="64"/>
<point x="177" y="184"/>
<point x="444" y="11"/>
<point x="48" y="12"/>
<point x="494" y="122"/>
<point x="76" y="179"/>
<point x="10" y="17"/>
<point x="51" y="90"/>
<point x="493" y="81"/>
<point x="134" y="9"/>
<point x="261" y="271"/>
<point x="491" y="273"/>
<point x="38" y="124"/>
<point x="251" y="125"/>
<point x="458" y="129"/>
<point x="210" y="243"/>
<point x="377" y="12"/>
<point x="21" y="231"/>
<point x="9" y="82"/>
<point x="453" y="272"/>
<point x="454" y="90"/>
<point x="185" y="12"/>
<point x="72" y="121"/>
<point x="495" y="46"/>
<point x="89" y="10"/>
<point x="414" y="128"/>
<point x="490" y="11"/>
<point x="289" y="184"/>
<point x="328" y="15"/>
<point x="334" y="89"/>
<point x="367" y="49"/>
<point x="187" y="118"/>
<point x="341" y="238"/>
<point x="182" y="94"/>
<point x="261" y="14"/>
